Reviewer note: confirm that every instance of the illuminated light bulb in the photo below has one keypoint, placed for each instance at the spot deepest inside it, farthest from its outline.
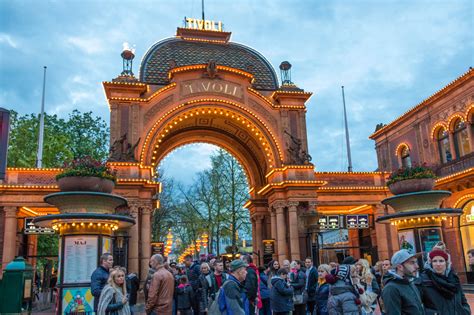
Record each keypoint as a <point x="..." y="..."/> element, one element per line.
<point x="82" y="223"/>
<point x="98" y="224"/>
<point x="73" y="224"/>
<point x="90" y="224"/>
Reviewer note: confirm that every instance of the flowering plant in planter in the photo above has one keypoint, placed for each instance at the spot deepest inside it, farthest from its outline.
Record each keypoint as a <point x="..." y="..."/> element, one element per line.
<point x="87" y="167"/>
<point x="413" y="172"/>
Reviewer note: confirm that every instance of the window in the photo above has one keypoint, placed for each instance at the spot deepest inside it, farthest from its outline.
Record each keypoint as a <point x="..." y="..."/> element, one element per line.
<point x="466" y="223"/>
<point x="443" y="146"/>
<point x="405" y="156"/>
<point x="461" y="138"/>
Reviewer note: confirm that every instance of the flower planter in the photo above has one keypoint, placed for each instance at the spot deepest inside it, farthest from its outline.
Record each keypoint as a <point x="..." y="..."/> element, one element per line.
<point x="85" y="183"/>
<point x="412" y="185"/>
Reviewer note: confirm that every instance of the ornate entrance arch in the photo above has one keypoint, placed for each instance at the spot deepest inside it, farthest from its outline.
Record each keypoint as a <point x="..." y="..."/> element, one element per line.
<point x="224" y="94"/>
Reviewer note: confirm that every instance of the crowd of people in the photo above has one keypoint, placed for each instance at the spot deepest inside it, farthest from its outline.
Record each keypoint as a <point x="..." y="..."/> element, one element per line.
<point x="211" y="286"/>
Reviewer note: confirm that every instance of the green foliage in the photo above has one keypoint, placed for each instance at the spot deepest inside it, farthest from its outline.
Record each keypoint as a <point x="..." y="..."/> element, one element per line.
<point x="48" y="245"/>
<point x="416" y="171"/>
<point x="87" y="166"/>
<point x="64" y="139"/>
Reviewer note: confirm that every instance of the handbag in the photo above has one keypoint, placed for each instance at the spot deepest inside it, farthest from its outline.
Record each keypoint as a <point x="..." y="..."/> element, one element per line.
<point x="301" y="298"/>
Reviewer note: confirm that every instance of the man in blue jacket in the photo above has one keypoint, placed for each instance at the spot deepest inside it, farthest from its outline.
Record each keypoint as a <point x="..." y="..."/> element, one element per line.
<point x="234" y="300"/>
<point x="311" y="284"/>
<point x="100" y="276"/>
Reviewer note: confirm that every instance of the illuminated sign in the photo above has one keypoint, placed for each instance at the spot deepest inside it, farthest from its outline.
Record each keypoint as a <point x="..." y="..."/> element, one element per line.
<point x="213" y="86"/>
<point x="268" y="247"/>
<point x="157" y="248"/>
<point x="330" y="222"/>
<point x="358" y="221"/>
<point x="203" y="25"/>
<point x="31" y="228"/>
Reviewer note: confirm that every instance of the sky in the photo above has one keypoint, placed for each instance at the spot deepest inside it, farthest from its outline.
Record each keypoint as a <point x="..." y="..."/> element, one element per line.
<point x="389" y="55"/>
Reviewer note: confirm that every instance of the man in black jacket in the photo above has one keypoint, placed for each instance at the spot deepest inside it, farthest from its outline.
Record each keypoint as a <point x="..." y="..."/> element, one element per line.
<point x="100" y="276"/>
<point x="251" y="283"/>
<point x="311" y="284"/>
<point x="193" y="271"/>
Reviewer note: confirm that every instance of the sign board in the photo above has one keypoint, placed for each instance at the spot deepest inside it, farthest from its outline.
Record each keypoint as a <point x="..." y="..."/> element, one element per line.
<point x="330" y="222"/>
<point x="158" y="248"/>
<point x="357" y="221"/>
<point x="207" y="25"/>
<point x="31" y="228"/>
<point x="80" y="258"/>
<point x="268" y="247"/>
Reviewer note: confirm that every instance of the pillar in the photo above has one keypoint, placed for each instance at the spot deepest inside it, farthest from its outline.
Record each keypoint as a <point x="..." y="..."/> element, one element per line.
<point x="273" y="230"/>
<point x="293" y="224"/>
<point x="145" y="241"/>
<point x="259" y="239"/>
<point x="133" y="241"/>
<point x="281" y="231"/>
<point x="9" y="235"/>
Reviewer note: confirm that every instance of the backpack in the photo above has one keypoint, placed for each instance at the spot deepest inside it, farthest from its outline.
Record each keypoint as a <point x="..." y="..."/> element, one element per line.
<point x="219" y="305"/>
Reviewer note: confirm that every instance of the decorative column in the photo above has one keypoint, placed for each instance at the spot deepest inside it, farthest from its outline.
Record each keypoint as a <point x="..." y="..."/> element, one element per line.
<point x="273" y="230"/>
<point x="451" y="146"/>
<point x="145" y="240"/>
<point x="294" y="237"/>
<point x="133" y="264"/>
<point x="281" y="231"/>
<point x="9" y="235"/>
<point x="258" y="238"/>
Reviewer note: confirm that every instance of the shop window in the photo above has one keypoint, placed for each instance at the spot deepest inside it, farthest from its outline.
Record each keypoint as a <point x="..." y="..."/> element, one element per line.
<point x="466" y="221"/>
<point x="405" y="157"/>
<point x="461" y="138"/>
<point x="443" y="146"/>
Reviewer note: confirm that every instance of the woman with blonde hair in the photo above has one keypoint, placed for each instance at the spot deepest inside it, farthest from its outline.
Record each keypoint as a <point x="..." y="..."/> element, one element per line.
<point x="366" y="280"/>
<point x="322" y="290"/>
<point x="113" y="299"/>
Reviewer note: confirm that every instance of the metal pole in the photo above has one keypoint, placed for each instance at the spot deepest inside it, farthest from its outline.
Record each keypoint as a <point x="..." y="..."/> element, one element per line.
<point x="203" y="18"/>
<point x="39" y="155"/>
<point x="348" y="143"/>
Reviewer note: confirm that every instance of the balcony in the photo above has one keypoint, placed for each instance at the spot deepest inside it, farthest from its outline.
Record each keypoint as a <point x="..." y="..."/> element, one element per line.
<point x="454" y="166"/>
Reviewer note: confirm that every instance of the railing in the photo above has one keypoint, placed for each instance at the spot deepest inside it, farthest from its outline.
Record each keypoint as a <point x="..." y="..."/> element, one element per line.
<point x="454" y="166"/>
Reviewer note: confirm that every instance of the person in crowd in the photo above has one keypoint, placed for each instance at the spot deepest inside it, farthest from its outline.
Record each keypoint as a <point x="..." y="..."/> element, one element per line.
<point x="264" y="291"/>
<point x="399" y="294"/>
<point x="149" y="277"/>
<point x="366" y="279"/>
<point x="383" y="268"/>
<point x="215" y="279"/>
<point x="297" y="280"/>
<point x="333" y="265"/>
<point x="378" y="271"/>
<point x="252" y="284"/>
<point x="235" y="299"/>
<point x="343" y="298"/>
<point x="100" y="276"/>
<point x="173" y="268"/>
<point x="160" y="295"/>
<point x="440" y="287"/>
<point x="349" y="260"/>
<point x="184" y="296"/>
<point x="311" y="284"/>
<point x="273" y="266"/>
<point x="281" y="294"/>
<point x="470" y="255"/>
<point x="193" y="270"/>
<point x="322" y="290"/>
<point x="113" y="297"/>
<point x="285" y="264"/>
<point x="203" y="288"/>
<point x="133" y="285"/>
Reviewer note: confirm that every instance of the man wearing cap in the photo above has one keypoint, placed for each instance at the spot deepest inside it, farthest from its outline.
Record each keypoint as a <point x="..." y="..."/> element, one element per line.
<point x="236" y="301"/>
<point x="400" y="295"/>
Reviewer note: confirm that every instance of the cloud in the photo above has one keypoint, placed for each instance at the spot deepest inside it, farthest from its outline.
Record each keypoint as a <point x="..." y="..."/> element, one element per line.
<point x="6" y="39"/>
<point x="89" y="45"/>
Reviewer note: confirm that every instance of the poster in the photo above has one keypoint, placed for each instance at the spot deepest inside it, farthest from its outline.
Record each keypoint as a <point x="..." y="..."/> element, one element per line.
<point x="77" y="301"/>
<point x="80" y="258"/>
<point x="406" y="240"/>
<point x="106" y="245"/>
<point x="428" y="239"/>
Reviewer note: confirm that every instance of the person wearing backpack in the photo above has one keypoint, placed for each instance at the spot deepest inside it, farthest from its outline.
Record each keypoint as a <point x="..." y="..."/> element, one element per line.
<point x="184" y="297"/>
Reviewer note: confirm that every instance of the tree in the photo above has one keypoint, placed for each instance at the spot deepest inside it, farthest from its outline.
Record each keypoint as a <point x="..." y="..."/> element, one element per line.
<point x="78" y="136"/>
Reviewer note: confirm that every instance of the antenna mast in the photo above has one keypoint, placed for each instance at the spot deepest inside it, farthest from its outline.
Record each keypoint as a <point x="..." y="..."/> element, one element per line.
<point x="348" y="143"/>
<point x="39" y="154"/>
<point x="202" y="5"/>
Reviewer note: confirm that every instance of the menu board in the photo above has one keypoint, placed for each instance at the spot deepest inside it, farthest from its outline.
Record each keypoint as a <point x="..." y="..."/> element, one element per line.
<point x="80" y="258"/>
<point x="357" y="221"/>
<point x="268" y="247"/>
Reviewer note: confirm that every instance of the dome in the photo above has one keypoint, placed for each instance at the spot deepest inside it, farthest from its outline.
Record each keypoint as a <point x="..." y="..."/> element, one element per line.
<point x="177" y="52"/>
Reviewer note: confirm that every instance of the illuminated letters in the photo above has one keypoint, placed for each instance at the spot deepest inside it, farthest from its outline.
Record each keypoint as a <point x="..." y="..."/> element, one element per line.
<point x="203" y="24"/>
<point x="210" y="86"/>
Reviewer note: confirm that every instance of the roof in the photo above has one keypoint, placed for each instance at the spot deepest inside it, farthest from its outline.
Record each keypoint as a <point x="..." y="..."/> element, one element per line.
<point x="176" y="52"/>
<point x="453" y="84"/>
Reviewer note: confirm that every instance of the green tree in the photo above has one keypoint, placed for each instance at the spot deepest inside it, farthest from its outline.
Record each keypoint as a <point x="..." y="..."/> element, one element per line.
<point x="64" y="139"/>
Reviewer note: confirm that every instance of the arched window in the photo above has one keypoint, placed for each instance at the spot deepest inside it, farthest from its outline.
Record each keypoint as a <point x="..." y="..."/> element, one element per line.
<point x="461" y="138"/>
<point x="405" y="156"/>
<point x="443" y="146"/>
<point x="466" y="227"/>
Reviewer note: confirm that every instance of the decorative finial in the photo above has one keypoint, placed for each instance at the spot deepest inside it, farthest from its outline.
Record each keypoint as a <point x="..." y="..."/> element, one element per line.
<point x="285" y="68"/>
<point x="127" y="55"/>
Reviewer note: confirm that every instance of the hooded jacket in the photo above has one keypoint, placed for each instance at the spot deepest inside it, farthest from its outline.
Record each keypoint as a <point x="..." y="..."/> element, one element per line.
<point x="281" y="295"/>
<point x="400" y="295"/>
<point x="342" y="299"/>
<point x="442" y="294"/>
<point x="184" y="296"/>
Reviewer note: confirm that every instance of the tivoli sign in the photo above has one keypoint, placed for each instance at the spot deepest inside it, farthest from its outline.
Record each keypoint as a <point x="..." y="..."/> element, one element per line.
<point x="210" y="86"/>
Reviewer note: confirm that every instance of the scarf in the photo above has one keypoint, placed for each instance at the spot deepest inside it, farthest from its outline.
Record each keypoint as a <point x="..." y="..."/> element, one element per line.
<point x="111" y="295"/>
<point x="321" y="281"/>
<point x="447" y="286"/>
<point x="259" y="298"/>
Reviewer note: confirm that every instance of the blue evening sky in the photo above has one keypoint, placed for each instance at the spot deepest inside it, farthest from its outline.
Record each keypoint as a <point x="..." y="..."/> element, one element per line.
<point x="389" y="55"/>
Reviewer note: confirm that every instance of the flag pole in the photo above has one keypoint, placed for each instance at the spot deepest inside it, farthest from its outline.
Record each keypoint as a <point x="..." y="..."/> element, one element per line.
<point x="348" y="143"/>
<point x="39" y="154"/>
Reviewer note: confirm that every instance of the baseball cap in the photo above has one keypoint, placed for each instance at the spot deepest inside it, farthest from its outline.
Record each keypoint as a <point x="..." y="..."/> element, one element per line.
<point x="236" y="264"/>
<point x="401" y="256"/>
